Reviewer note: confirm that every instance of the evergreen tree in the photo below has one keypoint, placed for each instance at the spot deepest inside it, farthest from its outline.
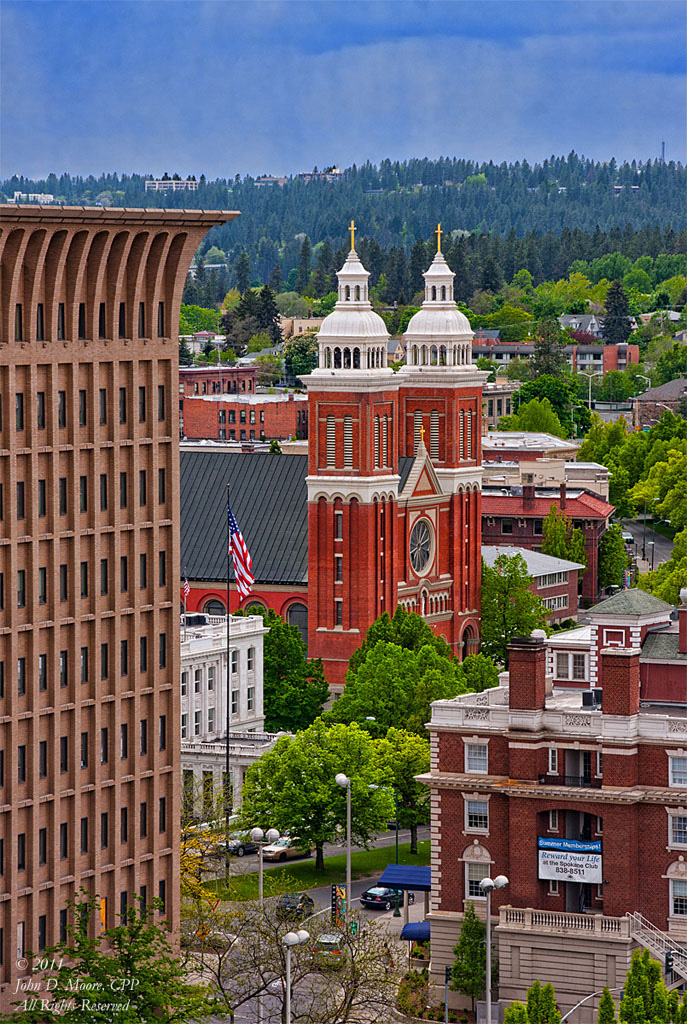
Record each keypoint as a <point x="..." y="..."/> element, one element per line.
<point x="469" y="970"/>
<point x="303" y="266"/>
<point x="615" y="325"/>
<point x="276" y="281"/>
<point x="606" y="1008"/>
<point x="516" y="1013"/>
<point x="242" y="271"/>
<point x="548" y="356"/>
<point x="268" y="314"/>
<point x="185" y="354"/>
<point x="418" y="265"/>
<point x="490" y="276"/>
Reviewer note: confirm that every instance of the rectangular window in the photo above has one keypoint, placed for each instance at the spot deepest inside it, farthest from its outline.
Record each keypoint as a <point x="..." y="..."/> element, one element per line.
<point x="196" y="723"/>
<point x="163" y="650"/>
<point x="122" y="405"/>
<point x="102" y="405"/>
<point x="122" y="490"/>
<point x="251" y="659"/>
<point x="102" y="327"/>
<point x="60" y="321"/>
<point x="42" y="585"/>
<point x="123" y="740"/>
<point x="142" y="403"/>
<point x="162" y="814"/>
<point x="553" y="761"/>
<point x="19" y="408"/>
<point x="124" y="824"/>
<point x="2" y="591"/>
<point x="599" y="764"/>
<point x="553" y="887"/>
<point x="18" y="322"/>
<point x="104" y="830"/>
<point x="21" y="588"/>
<point x="21" y="851"/>
<point x="84" y="750"/>
<point x="104" y="745"/>
<point x="160" y="319"/>
<point x="84" y="835"/>
<point x="338" y="568"/>
<point x="211" y="677"/>
<point x="141" y="319"/>
<point x="234" y="702"/>
<point x="678" y="829"/>
<point x="62" y="495"/>
<point x="579" y="666"/>
<point x="42" y="846"/>
<point x="82" y="407"/>
<point x="42" y="499"/>
<point x="103" y="492"/>
<point x="561" y="666"/>
<point x="338" y="612"/>
<point x="475" y="874"/>
<point x="64" y="668"/>
<point x="62" y="409"/>
<point x="122" y="320"/>
<point x="477" y="815"/>
<point x="64" y="755"/>
<point x="21" y="501"/>
<point x="104" y="660"/>
<point x="184" y="683"/>
<point x="234" y="662"/>
<point x="142" y="571"/>
<point x="162" y="895"/>
<point x="338" y="525"/>
<point x="84" y="664"/>
<point x="538" y="527"/>
<point x="124" y="574"/>
<point x="162" y="569"/>
<point x="143" y="819"/>
<point x="63" y="582"/>
<point x="82" y="321"/>
<point x="40" y="322"/>
<point x="161" y="485"/>
<point x="2" y="857"/>
<point x="64" y="844"/>
<point x="43" y="759"/>
<point x="162" y="732"/>
<point x="677" y="775"/>
<point x="553" y="821"/>
<point x="21" y="762"/>
<point x="476" y="757"/>
<point x="142" y="487"/>
<point x="678" y="897"/>
<point x="83" y="575"/>
<point x="507" y="526"/>
<point x="124" y="657"/>
<point x="123" y="901"/>
<point x="103" y="576"/>
<point x="250" y="698"/>
<point x="599" y="826"/>
<point x="40" y="410"/>
<point x="160" y="402"/>
<point x="21" y="676"/>
<point x="143" y="653"/>
<point x="184" y="726"/>
<point x="83" y="493"/>
<point x="211" y="719"/>
<point x="143" y="736"/>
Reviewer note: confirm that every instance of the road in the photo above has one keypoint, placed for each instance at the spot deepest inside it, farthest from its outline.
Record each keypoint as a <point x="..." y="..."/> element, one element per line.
<point x="662" y="546"/>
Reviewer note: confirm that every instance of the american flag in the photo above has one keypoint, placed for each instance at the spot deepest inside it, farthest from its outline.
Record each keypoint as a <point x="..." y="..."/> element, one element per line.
<point x="243" y="563"/>
<point x="187" y="589"/>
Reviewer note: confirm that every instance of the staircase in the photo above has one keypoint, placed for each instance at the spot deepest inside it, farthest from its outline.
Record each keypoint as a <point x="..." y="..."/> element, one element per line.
<point x="659" y="943"/>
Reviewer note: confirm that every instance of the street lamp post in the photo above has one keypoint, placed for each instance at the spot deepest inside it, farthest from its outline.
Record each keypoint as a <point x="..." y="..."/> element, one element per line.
<point x="259" y="837"/>
<point x="290" y="940"/>
<point x="390" y="789"/>
<point x="652" y="545"/>
<point x="595" y="373"/>
<point x="487" y="885"/>
<point x="345" y="783"/>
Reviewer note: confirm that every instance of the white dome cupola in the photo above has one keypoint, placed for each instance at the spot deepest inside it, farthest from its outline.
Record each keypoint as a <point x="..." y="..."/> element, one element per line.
<point x="353" y="336"/>
<point x="439" y="334"/>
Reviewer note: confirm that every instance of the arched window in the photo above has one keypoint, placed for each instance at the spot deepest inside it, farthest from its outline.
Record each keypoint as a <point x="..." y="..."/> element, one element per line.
<point x="434" y="434"/>
<point x="297" y="615"/>
<point x="337" y="358"/>
<point x="417" y="425"/>
<point x="478" y="861"/>
<point x="443" y="291"/>
<point x="214" y="607"/>
<point x="254" y="607"/>
<point x="442" y="356"/>
<point x="331" y="442"/>
<point x="348" y="442"/>
<point x="433" y="355"/>
<point x="677" y="880"/>
<point x="347" y="359"/>
<point x="356" y="358"/>
<point x="434" y="291"/>
<point x="376" y="429"/>
<point x="357" y="292"/>
<point x="347" y="293"/>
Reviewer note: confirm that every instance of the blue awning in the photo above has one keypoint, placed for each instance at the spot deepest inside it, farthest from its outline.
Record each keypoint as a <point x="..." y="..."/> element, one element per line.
<point x="417" y="932"/>
<point x="407" y="876"/>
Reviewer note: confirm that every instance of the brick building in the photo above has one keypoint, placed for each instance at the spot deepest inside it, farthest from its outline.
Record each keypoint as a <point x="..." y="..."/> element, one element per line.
<point x="254" y="417"/>
<point x="517" y="514"/>
<point x="216" y="380"/>
<point x="387" y="510"/>
<point x="89" y="564"/>
<point x="651" y="404"/>
<point x="581" y="807"/>
<point x="554" y="580"/>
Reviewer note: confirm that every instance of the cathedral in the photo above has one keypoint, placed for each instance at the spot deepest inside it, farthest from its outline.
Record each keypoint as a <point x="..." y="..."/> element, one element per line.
<point x="386" y="509"/>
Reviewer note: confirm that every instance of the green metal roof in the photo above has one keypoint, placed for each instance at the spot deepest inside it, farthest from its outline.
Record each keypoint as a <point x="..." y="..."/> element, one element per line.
<point x="630" y="602"/>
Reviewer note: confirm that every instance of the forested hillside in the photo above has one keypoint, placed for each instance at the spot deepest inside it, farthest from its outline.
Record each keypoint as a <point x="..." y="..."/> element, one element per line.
<point x="566" y="209"/>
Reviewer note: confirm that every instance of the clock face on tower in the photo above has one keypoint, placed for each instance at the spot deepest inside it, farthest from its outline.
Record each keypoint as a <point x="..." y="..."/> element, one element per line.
<point x="420" y="546"/>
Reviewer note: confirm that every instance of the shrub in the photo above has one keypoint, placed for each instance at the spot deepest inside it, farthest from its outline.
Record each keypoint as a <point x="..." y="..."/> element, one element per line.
<point x="412" y="992"/>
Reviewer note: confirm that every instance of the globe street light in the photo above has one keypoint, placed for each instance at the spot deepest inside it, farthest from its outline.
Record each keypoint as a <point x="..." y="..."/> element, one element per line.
<point x="487" y="885"/>
<point x="259" y="837"/>
<point x="290" y="940"/>
<point x="345" y="783"/>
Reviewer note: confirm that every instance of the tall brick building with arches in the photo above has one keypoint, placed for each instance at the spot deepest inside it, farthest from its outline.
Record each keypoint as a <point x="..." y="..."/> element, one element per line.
<point x="387" y="511"/>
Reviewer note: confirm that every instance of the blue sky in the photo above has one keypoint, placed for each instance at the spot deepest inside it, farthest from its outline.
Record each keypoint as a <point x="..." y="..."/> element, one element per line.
<point x="249" y="87"/>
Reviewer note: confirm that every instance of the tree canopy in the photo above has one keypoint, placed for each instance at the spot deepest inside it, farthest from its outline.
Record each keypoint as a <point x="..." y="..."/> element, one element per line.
<point x="509" y="608"/>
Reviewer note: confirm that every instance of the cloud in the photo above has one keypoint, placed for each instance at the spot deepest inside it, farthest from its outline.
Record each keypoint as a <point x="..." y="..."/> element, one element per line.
<point x="243" y="87"/>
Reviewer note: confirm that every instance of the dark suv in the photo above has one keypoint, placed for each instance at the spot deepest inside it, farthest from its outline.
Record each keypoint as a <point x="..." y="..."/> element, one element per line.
<point x="294" y="906"/>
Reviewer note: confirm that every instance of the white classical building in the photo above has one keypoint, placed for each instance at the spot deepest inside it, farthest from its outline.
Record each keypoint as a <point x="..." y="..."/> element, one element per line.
<point x="204" y="706"/>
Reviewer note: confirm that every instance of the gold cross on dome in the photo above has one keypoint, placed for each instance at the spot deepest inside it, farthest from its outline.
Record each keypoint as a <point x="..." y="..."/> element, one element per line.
<point x="351" y="228"/>
<point x="438" y="233"/>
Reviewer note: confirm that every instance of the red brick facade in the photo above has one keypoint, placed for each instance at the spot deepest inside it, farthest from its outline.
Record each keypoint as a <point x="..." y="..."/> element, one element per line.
<point x="254" y="418"/>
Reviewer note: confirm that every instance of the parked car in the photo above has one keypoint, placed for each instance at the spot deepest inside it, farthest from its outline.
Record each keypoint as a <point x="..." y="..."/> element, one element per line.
<point x="382" y="898"/>
<point x="627" y="537"/>
<point x="285" y="848"/>
<point x="294" y="906"/>
<point x="327" y="951"/>
<point x="241" y="843"/>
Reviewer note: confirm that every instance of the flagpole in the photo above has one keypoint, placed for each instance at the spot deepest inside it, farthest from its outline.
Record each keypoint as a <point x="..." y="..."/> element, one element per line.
<point x="228" y="789"/>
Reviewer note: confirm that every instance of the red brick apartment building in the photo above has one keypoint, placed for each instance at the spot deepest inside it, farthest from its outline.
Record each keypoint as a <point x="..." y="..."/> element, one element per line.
<point x="89" y="564"/>
<point x="216" y="380"/>
<point x="248" y="417"/>
<point x="583" y="806"/>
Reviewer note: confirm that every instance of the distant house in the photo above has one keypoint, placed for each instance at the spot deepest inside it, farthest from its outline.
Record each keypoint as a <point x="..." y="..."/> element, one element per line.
<point x="651" y="404"/>
<point x="395" y="350"/>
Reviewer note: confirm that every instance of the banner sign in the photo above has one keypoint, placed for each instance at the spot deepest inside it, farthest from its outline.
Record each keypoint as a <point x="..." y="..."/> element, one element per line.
<point x="570" y="860"/>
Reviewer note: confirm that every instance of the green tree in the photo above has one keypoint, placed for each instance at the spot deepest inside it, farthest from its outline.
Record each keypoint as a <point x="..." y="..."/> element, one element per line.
<point x="276" y="281"/>
<point x="469" y="969"/>
<point x="275" y="447"/>
<point x="670" y="577"/>
<point x="258" y="342"/>
<point x="478" y="673"/>
<point x="612" y="557"/>
<point x="185" y="354"/>
<point x="268" y="314"/>
<point x="671" y="365"/>
<point x="124" y="974"/>
<point x="406" y="755"/>
<point x="560" y="391"/>
<point x="301" y="354"/>
<point x="293" y="788"/>
<point x="488" y="364"/>
<point x="516" y="1013"/>
<point x="304" y="265"/>
<point x="269" y="369"/>
<point x="562" y="539"/>
<point x="606" y="1008"/>
<point x="242" y="271"/>
<point x="294" y="689"/>
<point x="194" y="318"/>
<point x="406" y="629"/>
<point x="537" y="415"/>
<point x="548" y="356"/>
<point x="615" y="326"/>
<point x="509" y="608"/>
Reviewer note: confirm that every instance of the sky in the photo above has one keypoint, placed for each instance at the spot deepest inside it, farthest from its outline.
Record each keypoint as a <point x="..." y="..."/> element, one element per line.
<point x="279" y="86"/>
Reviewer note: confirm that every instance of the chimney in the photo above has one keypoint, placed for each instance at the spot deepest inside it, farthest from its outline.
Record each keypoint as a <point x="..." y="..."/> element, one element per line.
<point x="563" y="497"/>
<point x="527" y="672"/>
<point x="527" y="489"/>
<point x="682" y="622"/>
<point x="620" y="674"/>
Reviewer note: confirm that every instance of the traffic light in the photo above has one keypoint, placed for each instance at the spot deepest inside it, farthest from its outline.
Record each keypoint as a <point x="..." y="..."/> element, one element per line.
<point x="338" y="904"/>
<point x="448" y="971"/>
<point x="668" y="966"/>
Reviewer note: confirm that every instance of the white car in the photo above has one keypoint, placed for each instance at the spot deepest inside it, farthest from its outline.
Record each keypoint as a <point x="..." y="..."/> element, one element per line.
<point x="286" y="848"/>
